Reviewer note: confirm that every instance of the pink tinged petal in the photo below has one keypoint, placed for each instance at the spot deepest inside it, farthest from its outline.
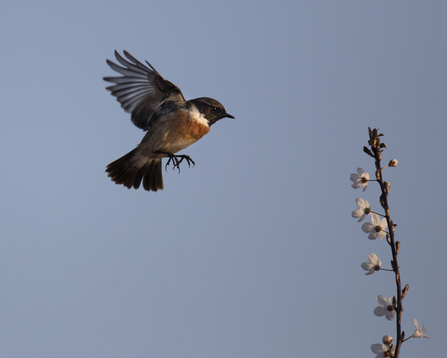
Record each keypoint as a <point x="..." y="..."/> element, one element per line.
<point x="360" y="171"/>
<point x="383" y="224"/>
<point x="415" y="322"/>
<point x="382" y="235"/>
<point x="365" y="186"/>
<point x="356" y="185"/>
<point x="370" y="272"/>
<point x="366" y="176"/>
<point x="362" y="218"/>
<point x="367" y="266"/>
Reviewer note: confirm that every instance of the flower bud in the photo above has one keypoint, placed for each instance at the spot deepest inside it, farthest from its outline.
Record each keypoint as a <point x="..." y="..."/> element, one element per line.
<point x="405" y="290"/>
<point x="387" y="340"/>
<point x="392" y="163"/>
<point x="386" y="186"/>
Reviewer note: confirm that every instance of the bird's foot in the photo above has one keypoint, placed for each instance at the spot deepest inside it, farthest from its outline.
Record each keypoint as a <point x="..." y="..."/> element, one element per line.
<point x="187" y="158"/>
<point x="176" y="161"/>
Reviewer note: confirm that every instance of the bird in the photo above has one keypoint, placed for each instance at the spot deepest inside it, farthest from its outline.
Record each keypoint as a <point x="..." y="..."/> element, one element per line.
<point x="158" y="107"/>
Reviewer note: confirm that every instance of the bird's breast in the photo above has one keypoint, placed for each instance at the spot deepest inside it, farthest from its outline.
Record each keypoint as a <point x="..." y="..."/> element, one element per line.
<point x="185" y="128"/>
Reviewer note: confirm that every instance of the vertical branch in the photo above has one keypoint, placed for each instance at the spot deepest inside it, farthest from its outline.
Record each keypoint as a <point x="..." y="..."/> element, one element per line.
<point x="376" y="147"/>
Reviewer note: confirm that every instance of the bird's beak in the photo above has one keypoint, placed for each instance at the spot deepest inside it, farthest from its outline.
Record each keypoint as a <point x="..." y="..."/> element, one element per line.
<point x="229" y="116"/>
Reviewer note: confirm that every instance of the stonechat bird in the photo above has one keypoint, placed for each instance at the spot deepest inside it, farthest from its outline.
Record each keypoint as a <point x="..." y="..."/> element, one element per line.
<point x="158" y="107"/>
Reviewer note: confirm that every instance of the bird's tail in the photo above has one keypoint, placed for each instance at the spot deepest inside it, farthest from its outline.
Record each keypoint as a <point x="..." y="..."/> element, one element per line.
<point x="124" y="171"/>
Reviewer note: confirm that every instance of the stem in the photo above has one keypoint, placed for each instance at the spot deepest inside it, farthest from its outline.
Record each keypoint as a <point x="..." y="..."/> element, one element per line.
<point x="384" y="201"/>
<point x="379" y="215"/>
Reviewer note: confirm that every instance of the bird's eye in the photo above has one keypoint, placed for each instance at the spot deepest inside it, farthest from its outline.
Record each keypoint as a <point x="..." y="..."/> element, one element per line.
<point x="214" y="109"/>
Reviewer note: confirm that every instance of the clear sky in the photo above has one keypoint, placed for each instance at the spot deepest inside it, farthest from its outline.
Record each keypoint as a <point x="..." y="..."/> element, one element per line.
<point x="253" y="252"/>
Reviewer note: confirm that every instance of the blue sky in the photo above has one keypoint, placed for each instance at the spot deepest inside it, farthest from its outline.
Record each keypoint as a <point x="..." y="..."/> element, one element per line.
<point x="253" y="252"/>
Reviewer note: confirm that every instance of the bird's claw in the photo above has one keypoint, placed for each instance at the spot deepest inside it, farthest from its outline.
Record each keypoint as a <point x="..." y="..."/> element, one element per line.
<point x="176" y="161"/>
<point x="188" y="160"/>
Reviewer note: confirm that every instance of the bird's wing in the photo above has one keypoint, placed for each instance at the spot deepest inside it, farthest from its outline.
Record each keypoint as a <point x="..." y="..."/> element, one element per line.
<point x="140" y="89"/>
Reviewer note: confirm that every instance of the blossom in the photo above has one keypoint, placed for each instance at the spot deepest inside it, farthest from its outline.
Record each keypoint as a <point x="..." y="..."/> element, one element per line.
<point x="392" y="163"/>
<point x="363" y="209"/>
<point x="375" y="228"/>
<point x="360" y="179"/>
<point x="373" y="265"/>
<point x="381" y="350"/>
<point x="385" y="307"/>
<point x="387" y="340"/>
<point x="420" y="332"/>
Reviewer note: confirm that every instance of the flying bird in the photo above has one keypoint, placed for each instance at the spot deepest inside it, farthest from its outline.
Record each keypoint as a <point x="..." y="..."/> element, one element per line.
<point x="158" y="107"/>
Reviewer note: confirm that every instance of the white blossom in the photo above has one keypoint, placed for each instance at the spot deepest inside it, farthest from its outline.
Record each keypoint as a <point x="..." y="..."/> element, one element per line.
<point x="387" y="339"/>
<point x="381" y="350"/>
<point x="373" y="265"/>
<point x="363" y="209"/>
<point x="375" y="228"/>
<point x="420" y="332"/>
<point x="385" y="307"/>
<point x="360" y="179"/>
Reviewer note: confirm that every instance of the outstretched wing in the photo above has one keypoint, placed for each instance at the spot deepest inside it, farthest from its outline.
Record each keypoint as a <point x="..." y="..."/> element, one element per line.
<point x="140" y="89"/>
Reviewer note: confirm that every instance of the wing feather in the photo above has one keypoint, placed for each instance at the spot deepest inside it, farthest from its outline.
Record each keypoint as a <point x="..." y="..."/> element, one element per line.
<point x="140" y="90"/>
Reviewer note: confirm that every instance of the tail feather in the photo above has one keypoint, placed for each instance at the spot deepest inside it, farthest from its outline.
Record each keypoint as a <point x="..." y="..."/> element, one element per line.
<point x="153" y="178"/>
<point x="124" y="171"/>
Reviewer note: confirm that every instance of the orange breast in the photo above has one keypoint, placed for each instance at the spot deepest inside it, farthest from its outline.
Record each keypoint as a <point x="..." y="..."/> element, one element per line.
<point x="183" y="131"/>
<point x="192" y="129"/>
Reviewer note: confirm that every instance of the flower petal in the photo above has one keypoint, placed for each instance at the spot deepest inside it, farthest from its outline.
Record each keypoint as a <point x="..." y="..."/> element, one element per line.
<point x="368" y="227"/>
<point x="390" y="315"/>
<point x="375" y="219"/>
<point x="378" y="348"/>
<point x="362" y="218"/>
<point x="372" y="236"/>
<point x="360" y="203"/>
<point x="380" y="311"/>
<point x="382" y="301"/>
<point x="373" y="258"/>
<point x="357" y="213"/>
<point x="355" y="177"/>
